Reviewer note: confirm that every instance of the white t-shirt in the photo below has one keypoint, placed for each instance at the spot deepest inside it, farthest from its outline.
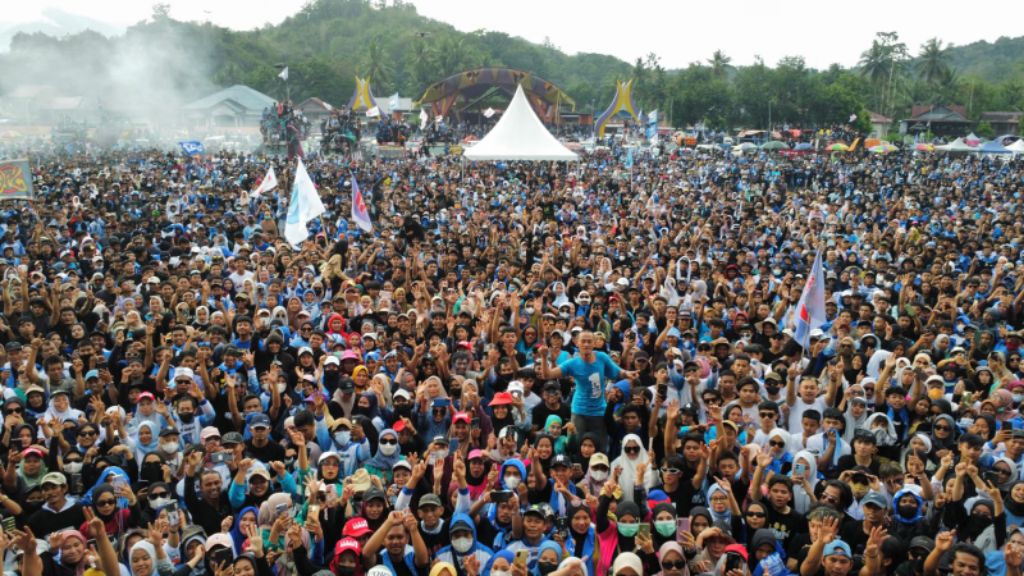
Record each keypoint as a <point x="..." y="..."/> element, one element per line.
<point x="796" y="413"/>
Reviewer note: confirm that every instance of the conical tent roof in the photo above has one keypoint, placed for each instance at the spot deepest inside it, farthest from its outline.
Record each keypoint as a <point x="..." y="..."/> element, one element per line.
<point x="519" y="135"/>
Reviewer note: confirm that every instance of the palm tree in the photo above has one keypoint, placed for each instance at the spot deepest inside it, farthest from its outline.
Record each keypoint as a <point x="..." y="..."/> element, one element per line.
<point x="376" y="64"/>
<point x="450" y="55"/>
<point x="720" y="63"/>
<point x="931" y="63"/>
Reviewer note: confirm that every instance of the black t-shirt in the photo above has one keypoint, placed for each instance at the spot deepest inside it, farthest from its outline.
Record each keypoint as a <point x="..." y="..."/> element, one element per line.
<point x="269" y="453"/>
<point x="786" y="525"/>
<point x="541" y="413"/>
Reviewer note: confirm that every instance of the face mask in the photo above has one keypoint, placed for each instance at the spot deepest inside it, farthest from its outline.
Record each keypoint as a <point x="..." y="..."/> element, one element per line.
<point x="665" y="527"/>
<point x="512" y="482"/>
<point x="159" y="503"/>
<point x="908" y="511"/>
<point x="528" y="310"/>
<point x="462" y="545"/>
<point x="388" y="449"/>
<point x="73" y="467"/>
<point x="628" y="530"/>
<point x="342" y="438"/>
<point x="169" y="446"/>
<point x="547" y="567"/>
<point x="186" y="418"/>
<point x="966" y="423"/>
<point x="346" y="570"/>
<point x="500" y="573"/>
<point x="935" y="393"/>
<point x="599" y="475"/>
<point x="281" y="387"/>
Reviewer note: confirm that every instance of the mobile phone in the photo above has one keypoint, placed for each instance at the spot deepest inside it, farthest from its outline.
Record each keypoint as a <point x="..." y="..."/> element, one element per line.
<point x="644" y="530"/>
<point x="522" y="556"/>
<point x="859" y="478"/>
<point x="16" y="444"/>
<point x="221" y="556"/>
<point x="9" y="524"/>
<point x="314" y="511"/>
<point x="499" y="496"/>
<point x="281" y="509"/>
<point x="562" y="526"/>
<point x="799" y="469"/>
<point x="662" y="390"/>
<point x="682" y="527"/>
<point x="172" y="513"/>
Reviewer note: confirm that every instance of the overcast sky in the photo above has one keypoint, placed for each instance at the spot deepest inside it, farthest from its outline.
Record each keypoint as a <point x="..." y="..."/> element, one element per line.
<point x="680" y="32"/>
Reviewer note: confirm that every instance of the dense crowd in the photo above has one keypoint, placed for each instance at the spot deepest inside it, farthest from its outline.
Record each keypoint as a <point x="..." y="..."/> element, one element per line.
<point x="524" y="370"/>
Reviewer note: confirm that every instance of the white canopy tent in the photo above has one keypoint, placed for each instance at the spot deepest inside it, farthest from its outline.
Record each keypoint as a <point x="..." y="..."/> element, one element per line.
<point x="957" y="145"/>
<point x="1017" y="147"/>
<point x="519" y="135"/>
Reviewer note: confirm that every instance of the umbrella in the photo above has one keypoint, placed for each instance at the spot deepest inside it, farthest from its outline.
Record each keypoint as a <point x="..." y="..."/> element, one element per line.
<point x="883" y="148"/>
<point x="747" y="146"/>
<point x="775" y="145"/>
<point x="803" y="146"/>
<point x="925" y="147"/>
<point x="837" y="147"/>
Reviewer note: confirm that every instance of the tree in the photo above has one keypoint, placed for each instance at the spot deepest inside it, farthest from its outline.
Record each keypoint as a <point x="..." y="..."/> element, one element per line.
<point x="932" y="62"/>
<point x="377" y="65"/>
<point x="883" y="63"/>
<point x="720" y="64"/>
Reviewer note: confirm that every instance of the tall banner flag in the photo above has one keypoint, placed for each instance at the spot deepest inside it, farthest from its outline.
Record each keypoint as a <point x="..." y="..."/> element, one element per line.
<point x="304" y="206"/>
<point x="268" y="183"/>
<point x="424" y="117"/>
<point x="629" y="158"/>
<point x="810" y="310"/>
<point x="373" y="112"/>
<point x="393" y="103"/>
<point x="284" y="74"/>
<point x="652" y="125"/>
<point x="192" y="147"/>
<point x="15" y="180"/>
<point x="359" y="213"/>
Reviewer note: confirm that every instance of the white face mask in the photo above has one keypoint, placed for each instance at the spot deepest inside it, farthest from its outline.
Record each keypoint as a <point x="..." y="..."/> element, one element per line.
<point x="169" y="446"/>
<point x="159" y="503"/>
<point x="511" y="482"/>
<point x="281" y="387"/>
<point x="462" y="545"/>
<point x="599" y="475"/>
<point x="500" y="573"/>
<point x="388" y="449"/>
<point x="73" y="467"/>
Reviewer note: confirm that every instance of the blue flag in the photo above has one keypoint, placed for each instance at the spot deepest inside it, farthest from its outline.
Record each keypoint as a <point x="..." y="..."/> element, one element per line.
<point x="192" y="147"/>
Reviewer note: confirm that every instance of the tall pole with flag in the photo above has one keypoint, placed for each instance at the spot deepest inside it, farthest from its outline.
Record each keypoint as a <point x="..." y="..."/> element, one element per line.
<point x="360" y="214"/>
<point x="283" y="75"/>
<point x="305" y="205"/>
<point x="810" y="310"/>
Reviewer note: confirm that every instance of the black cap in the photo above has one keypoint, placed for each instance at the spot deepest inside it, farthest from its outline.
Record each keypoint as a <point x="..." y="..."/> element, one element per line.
<point x="561" y="460"/>
<point x="865" y="436"/>
<point x="170" y="430"/>
<point x="535" y="509"/>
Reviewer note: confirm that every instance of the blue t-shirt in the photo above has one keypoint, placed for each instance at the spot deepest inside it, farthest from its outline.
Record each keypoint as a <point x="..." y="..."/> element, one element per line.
<point x="590" y="377"/>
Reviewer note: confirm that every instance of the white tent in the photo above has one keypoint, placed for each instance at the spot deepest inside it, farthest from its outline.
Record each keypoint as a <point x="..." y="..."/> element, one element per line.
<point x="957" y="145"/>
<point x="1017" y="147"/>
<point x="519" y="135"/>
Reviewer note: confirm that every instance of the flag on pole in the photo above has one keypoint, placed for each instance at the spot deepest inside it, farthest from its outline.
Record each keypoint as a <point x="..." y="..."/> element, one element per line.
<point x="373" y="112"/>
<point x="192" y="147"/>
<point x="393" y="103"/>
<point x="284" y="74"/>
<point x="810" y="310"/>
<point x="268" y="183"/>
<point x="304" y="206"/>
<point x="359" y="213"/>
<point x="424" y="117"/>
<point x="489" y="112"/>
<point x="629" y="158"/>
<point x="652" y="125"/>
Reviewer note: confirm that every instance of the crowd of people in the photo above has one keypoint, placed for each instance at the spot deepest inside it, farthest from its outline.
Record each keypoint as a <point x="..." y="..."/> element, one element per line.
<point x="523" y="370"/>
<point x="283" y="127"/>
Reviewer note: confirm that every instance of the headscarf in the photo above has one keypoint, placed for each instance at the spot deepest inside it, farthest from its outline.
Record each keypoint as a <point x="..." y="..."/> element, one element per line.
<point x="885" y="437"/>
<point x="802" y="501"/>
<point x="154" y="443"/>
<point x="627" y="479"/>
<point x="949" y="443"/>
<point x="1012" y="478"/>
<point x="507" y="555"/>
<point x="107" y="477"/>
<point x="236" y="529"/>
<point x="440" y="567"/>
<point x="267" y="514"/>
<point x="148" y="548"/>
<point x="725" y="517"/>
<point x="382" y="462"/>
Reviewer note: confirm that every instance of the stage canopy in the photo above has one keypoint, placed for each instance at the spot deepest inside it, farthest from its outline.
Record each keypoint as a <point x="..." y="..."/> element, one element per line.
<point x="519" y="135"/>
<point x="473" y="85"/>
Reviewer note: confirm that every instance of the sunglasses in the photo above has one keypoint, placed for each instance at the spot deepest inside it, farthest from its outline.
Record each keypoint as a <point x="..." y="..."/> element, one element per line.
<point x="756" y="514"/>
<point x="329" y="463"/>
<point x="106" y="502"/>
<point x="768" y="414"/>
<point x="15" y="411"/>
<point x="389" y="442"/>
<point x="670" y="470"/>
<point x="87" y="433"/>
<point x="673" y="565"/>
<point x="156" y="495"/>
<point x="632" y="449"/>
<point x="946" y="428"/>
<point x="778" y="443"/>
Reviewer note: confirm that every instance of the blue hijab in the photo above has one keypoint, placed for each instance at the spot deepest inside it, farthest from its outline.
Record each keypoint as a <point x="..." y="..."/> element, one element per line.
<point x="236" y="530"/>
<point x="105" y="478"/>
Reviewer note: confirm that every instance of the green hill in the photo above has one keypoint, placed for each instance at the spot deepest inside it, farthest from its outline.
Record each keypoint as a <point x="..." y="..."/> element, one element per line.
<point x="991" y="62"/>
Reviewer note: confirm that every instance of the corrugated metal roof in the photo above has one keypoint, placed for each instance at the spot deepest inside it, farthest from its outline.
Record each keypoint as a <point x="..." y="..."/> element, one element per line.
<point x="252" y="100"/>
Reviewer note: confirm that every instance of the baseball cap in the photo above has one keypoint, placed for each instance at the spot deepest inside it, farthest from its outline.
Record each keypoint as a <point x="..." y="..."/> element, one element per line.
<point x="346" y="545"/>
<point x="92" y="374"/>
<point x="474" y="454"/>
<point x="169" y="431"/>
<point x="145" y="396"/>
<point x="837" y="548"/>
<point x="260" y="421"/>
<point x="535" y="509"/>
<point x="430" y="500"/>
<point x="561" y="460"/>
<point x="356" y="527"/>
<point x="332" y="360"/>
<point x="231" y="438"/>
<point x="183" y="374"/>
<point x="209" y="432"/>
<point x="598" y="458"/>
<point x="461" y="417"/>
<point x="54" y="478"/>
<point x="875" y="499"/>
<point x="402" y="464"/>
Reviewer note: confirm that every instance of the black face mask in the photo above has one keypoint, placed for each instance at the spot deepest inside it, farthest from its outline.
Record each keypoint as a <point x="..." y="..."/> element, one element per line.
<point x="908" y="511"/>
<point x="346" y="570"/>
<point x="187" y="418"/>
<point x="547" y="567"/>
<point x="403" y="409"/>
<point x="331" y="380"/>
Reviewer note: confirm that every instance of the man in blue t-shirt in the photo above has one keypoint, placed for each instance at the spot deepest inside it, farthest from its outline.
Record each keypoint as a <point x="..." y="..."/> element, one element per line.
<point x="590" y="371"/>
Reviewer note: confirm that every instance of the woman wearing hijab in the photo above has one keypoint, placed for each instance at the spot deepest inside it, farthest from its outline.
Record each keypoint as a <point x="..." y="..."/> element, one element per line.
<point x="1014" y="504"/>
<point x="367" y="405"/>
<point x="723" y="508"/>
<point x="672" y="559"/>
<point x="885" y="435"/>
<point x="69" y="560"/>
<point x="388" y="453"/>
<point x="633" y="456"/>
<point x="597" y="474"/>
<point x="144" y="440"/>
<point x="105" y="504"/>
<point x="582" y="541"/>
<point x="805" y="478"/>
<point x="246" y="517"/>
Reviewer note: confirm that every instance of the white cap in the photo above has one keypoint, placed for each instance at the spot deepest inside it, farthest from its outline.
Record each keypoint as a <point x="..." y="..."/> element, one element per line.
<point x="183" y="373"/>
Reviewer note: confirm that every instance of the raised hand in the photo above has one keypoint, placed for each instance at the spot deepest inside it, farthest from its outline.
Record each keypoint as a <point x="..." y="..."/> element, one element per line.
<point x="944" y="540"/>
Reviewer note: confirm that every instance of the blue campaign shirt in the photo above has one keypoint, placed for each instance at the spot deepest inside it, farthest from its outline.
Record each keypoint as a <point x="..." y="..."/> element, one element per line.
<point x="590" y="378"/>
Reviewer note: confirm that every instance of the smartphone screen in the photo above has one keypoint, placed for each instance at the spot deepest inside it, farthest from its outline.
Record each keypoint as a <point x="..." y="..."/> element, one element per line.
<point x="682" y="527"/>
<point x="645" y="529"/>
<point x="522" y="556"/>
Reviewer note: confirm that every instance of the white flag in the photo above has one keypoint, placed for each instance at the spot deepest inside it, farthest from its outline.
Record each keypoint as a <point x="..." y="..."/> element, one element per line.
<point x="284" y="74"/>
<point x="268" y="183"/>
<point x="393" y="103"/>
<point x="424" y="117"/>
<point x="373" y="112"/>
<point x="489" y="112"/>
<point x="304" y="206"/>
